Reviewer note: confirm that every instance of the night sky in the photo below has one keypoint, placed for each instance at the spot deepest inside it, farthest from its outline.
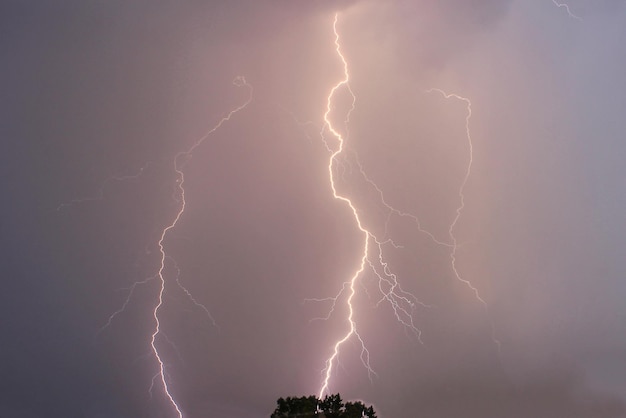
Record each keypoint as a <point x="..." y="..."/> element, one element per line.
<point x="98" y="98"/>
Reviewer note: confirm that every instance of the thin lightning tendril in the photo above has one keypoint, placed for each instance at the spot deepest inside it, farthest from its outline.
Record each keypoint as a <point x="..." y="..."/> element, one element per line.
<point x="178" y="168"/>
<point x="461" y="206"/>
<point x="567" y="9"/>
<point x="391" y="210"/>
<point x="459" y="209"/>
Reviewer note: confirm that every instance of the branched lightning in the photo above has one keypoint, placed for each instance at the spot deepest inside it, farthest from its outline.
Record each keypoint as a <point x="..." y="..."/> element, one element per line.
<point x="129" y="296"/>
<point x="372" y="256"/>
<point x="373" y="251"/>
<point x="190" y="296"/>
<point x="401" y="302"/>
<point x="391" y="210"/>
<point x="179" y="161"/>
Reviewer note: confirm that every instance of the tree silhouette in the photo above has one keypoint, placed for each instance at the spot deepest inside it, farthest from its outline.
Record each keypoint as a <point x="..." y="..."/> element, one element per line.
<point x="331" y="406"/>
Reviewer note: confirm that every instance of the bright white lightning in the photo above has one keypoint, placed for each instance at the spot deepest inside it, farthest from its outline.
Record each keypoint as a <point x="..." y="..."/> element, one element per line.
<point x="372" y="256"/>
<point x="366" y="234"/>
<point x="129" y="296"/>
<point x="401" y="302"/>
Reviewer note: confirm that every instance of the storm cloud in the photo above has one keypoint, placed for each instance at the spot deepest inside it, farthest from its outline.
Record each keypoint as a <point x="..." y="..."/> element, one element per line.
<point x="99" y="97"/>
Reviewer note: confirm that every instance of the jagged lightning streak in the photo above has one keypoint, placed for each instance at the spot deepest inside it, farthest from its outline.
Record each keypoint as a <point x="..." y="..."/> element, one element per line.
<point x="468" y="172"/>
<point x="179" y="162"/>
<point x="366" y="234"/>
<point x="400" y="301"/>
<point x="459" y="209"/>
<point x="567" y="9"/>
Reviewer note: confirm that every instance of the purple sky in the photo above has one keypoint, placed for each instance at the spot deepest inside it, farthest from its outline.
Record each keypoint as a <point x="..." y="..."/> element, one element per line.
<point x="100" y="96"/>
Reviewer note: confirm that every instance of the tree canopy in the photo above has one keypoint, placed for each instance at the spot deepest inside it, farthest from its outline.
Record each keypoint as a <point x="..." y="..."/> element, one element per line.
<point x="332" y="406"/>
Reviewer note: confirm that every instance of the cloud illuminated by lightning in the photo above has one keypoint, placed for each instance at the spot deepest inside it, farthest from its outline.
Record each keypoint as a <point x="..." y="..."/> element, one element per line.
<point x="352" y="331"/>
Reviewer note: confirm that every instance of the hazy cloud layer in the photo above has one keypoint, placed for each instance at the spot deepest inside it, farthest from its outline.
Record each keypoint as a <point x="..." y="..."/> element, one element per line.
<point x="99" y="97"/>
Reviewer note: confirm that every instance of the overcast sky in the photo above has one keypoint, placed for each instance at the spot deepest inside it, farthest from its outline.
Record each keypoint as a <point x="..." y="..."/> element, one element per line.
<point x="98" y="98"/>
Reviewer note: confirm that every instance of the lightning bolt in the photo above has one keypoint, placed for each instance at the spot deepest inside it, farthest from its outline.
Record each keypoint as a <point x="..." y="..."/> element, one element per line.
<point x="567" y="9"/>
<point x="352" y="331"/>
<point x="179" y="161"/>
<point x="372" y="256"/>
